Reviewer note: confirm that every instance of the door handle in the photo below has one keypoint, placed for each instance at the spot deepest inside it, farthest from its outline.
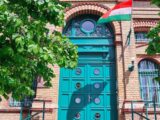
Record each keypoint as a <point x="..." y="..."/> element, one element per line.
<point x="89" y="98"/>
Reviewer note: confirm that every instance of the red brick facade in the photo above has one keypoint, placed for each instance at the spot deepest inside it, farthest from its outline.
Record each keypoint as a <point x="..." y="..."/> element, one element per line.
<point x="144" y="18"/>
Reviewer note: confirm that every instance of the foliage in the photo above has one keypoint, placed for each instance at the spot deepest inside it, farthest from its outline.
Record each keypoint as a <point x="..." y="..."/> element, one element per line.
<point x="154" y="34"/>
<point x="156" y="2"/>
<point x="27" y="47"/>
<point x="154" y="45"/>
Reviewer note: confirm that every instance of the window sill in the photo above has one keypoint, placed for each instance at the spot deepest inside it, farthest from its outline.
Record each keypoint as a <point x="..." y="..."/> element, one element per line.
<point x="42" y="87"/>
<point x="141" y="42"/>
<point x="17" y="110"/>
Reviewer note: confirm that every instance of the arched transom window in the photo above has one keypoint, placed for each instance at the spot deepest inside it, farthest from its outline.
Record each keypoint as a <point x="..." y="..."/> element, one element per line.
<point x="150" y="89"/>
<point x="86" y="26"/>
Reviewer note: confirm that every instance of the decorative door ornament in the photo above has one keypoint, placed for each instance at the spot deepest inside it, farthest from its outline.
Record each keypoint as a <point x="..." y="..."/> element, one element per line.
<point x="97" y="85"/>
<point x="96" y="71"/>
<point x="78" y="100"/>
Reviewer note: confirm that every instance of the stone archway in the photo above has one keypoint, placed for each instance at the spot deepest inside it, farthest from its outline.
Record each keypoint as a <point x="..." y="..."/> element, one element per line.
<point x="90" y="8"/>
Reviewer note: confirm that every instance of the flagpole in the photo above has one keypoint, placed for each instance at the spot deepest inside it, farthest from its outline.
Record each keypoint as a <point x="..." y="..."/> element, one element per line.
<point x="130" y="28"/>
<point x="131" y="15"/>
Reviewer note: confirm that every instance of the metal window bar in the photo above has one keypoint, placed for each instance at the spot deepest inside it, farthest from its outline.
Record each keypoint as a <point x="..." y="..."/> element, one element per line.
<point x="27" y="104"/>
<point x="143" y="40"/>
<point x="150" y="89"/>
<point x="30" y="116"/>
<point x="27" y="101"/>
<point x="133" y="111"/>
<point x="14" y="103"/>
<point x="141" y="37"/>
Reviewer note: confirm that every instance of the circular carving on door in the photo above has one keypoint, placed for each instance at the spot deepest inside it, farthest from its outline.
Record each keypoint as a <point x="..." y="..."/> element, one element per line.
<point x="97" y="115"/>
<point x="97" y="85"/>
<point x="78" y="71"/>
<point x="77" y="116"/>
<point x="78" y="100"/>
<point x="97" y="100"/>
<point x="88" y="26"/>
<point x="78" y="85"/>
<point x="96" y="71"/>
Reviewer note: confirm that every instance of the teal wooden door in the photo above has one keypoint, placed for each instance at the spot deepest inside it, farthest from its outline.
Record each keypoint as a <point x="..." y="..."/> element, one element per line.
<point x="88" y="92"/>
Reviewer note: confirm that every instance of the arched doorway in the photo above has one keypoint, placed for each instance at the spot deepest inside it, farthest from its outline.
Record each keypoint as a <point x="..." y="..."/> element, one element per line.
<point x="88" y="92"/>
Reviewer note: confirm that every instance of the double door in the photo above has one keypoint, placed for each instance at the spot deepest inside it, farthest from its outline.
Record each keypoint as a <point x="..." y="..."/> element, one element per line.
<point x="88" y="92"/>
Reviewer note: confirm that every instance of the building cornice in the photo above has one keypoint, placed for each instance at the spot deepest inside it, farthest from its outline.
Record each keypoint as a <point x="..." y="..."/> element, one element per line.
<point x="87" y="3"/>
<point x="144" y="23"/>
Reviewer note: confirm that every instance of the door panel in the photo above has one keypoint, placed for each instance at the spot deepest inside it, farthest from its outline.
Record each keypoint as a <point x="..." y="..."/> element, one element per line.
<point x="79" y="72"/>
<point x="98" y="87"/>
<point x="77" y="100"/>
<point x="64" y="100"/>
<point x="97" y="100"/>
<point x="65" y="73"/>
<point x="77" y="84"/>
<point x="97" y="114"/>
<point x="96" y="71"/>
<point x="63" y="114"/>
<point x="65" y="85"/>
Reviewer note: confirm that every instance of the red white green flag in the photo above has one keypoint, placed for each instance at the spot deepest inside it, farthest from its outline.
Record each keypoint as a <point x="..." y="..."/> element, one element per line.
<point x="120" y="12"/>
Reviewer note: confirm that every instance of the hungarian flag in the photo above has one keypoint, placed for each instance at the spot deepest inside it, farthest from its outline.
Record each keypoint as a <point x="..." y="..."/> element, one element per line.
<point x="120" y="12"/>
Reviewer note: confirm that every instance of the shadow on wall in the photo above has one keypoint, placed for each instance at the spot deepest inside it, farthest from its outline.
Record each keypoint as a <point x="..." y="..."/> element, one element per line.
<point x="81" y="98"/>
<point x="127" y="75"/>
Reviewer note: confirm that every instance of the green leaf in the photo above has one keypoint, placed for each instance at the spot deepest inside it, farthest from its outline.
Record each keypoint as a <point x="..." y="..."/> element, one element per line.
<point x="19" y="41"/>
<point x="26" y="49"/>
<point x="6" y="51"/>
<point x="157" y="79"/>
<point x="33" y="48"/>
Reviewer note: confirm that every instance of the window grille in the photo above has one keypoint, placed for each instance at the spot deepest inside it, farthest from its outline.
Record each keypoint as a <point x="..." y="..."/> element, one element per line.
<point x="86" y="26"/>
<point x="150" y="89"/>
<point x="141" y="37"/>
<point x="14" y="103"/>
<point x="25" y="103"/>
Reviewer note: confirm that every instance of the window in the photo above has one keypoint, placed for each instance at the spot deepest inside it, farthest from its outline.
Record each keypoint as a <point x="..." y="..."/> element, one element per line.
<point x="14" y="103"/>
<point x="141" y="37"/>
<point x="25" y="103"/>
<point x="85" y="26"/>
<point x="150" y="89"/>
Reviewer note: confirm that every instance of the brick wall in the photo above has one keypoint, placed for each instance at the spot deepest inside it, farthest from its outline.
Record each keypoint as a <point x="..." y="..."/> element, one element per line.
<point x="128" y="83"/>
<point x="9" y="116"/>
